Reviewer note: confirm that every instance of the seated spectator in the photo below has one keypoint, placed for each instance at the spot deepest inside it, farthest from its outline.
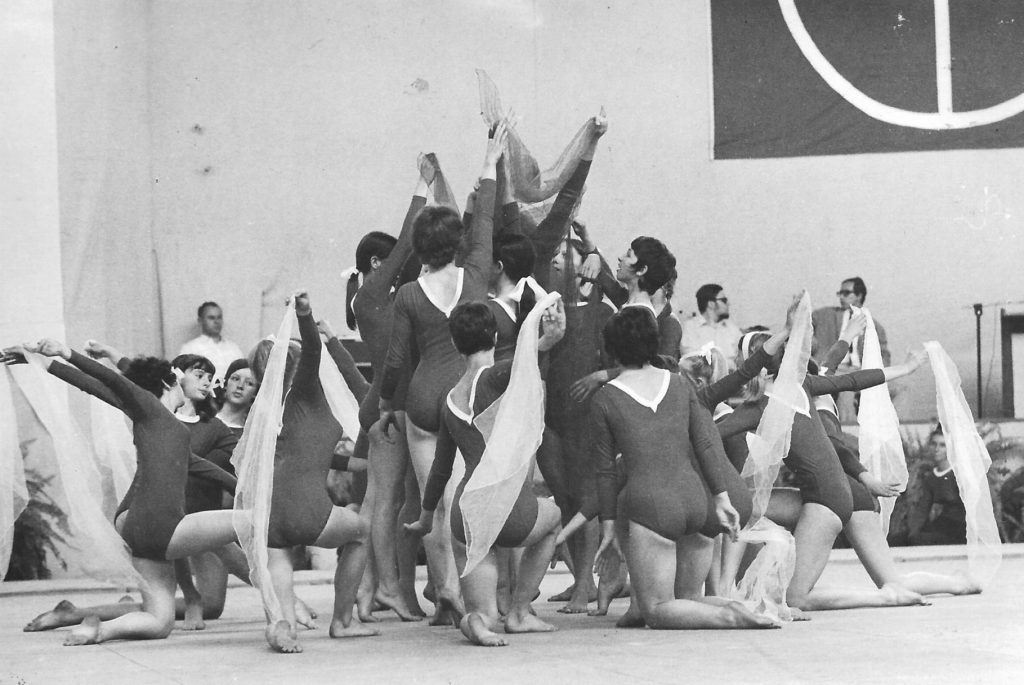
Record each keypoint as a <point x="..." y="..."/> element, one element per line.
<point x="939" y="517"/>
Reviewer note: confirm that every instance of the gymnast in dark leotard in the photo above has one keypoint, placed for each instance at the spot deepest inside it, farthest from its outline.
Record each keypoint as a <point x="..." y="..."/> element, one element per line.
<point x="532" y="523"/>
<point x="826" y="499"/>
<point x="385" y="263"/>
<point x="676" y="482"/>
<point x="151" y="519"/>
<point x="420" y="325"/>
<point x="301" y="511"/>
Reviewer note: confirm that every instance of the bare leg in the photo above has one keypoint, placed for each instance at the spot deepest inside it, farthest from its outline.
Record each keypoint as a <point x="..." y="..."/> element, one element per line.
<point x="815" y="533"/>
<point x="503" y="592"/>
<point x="281" y="635"/>
<point x="693" y="563"/>
<point x="438" y="543"/>
<point x="478" y="588"/>
<point x="407" y="547"/>
<point x="155" y="621"/>
<point x="193" y="600"/>
<point x="711" y="587"/>
<point x="67" y="614"/>
<point x="652" y="566"/>
<point x="864" y="531"/>
<point x="539" y="547"/>
<point x="368" y="583"/>
<point x="347" y="530"/>
<point x="632" y="618"/>
<point x="388" y="465"/>
<point x="584" y="548"/>
<point x="200" y="532"/>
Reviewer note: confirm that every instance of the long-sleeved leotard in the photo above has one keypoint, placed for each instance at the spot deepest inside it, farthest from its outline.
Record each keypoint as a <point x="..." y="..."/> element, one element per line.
<point x="155" y="501"/>
<point x="812" y="458"/>
<point x="422" y="325"/>
<point x="360" y="390"/>
<point x="213" y="441"/>
<point x="673" y="460"/>
<point x="300" y="505"/>
<point x="459" y="433"/>
<point x="374" y="307"/>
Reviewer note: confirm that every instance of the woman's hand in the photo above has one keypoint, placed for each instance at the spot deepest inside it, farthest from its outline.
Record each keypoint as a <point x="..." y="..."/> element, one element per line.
<point x="422" y="526"/>
<point x="15" y="354"/>
<point x="588" y="385"/>
<point x="387" y="418"/>
<point x="301" y="299"/>
<point x="577" y="522"/>
<point x="877" y="488"/>
<point x="591" y="267"/>
<point x="98" y="350"/>
<point x="727" y="515"/>
<point x="495" y="148"/>
<point x="48" y="347"/>
<point x="324" y="326"/>
<point x="600" y="124"/>
<point x="553" y="325"/>
<point x="854" y="328"/>
<point x="609" y="554"/>
<point x="914" y="360"/>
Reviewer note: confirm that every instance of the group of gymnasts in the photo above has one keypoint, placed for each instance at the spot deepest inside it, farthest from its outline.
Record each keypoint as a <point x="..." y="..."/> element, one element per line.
<point x="503" y="336"/>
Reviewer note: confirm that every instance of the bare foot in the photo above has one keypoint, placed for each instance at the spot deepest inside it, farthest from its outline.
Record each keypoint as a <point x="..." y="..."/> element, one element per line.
<point x="304" y="616"/>
<point x="339" y="630"/>
<point x="967" y="584"/>
<point x="474" y="627"/>
<point x="396" y="604"/>
<point x="412" y="603"/>
<point x="282" y="638"/>
<point x="447" y="614"/>
<point x="526" y="622"/>
<point x="429" y="593"/>
<point x="85" y="633"/>
<point x="579" y="601"/>
<point x="126" y="599"/>
<point x="364" y="610"/>
<point x="899" y="596"/>
<point x="563" y="596"/>
<point x="631" y="619"/>
<point x="739" y="616"/>
<point x="799" y="614"/>
<point x="193" y="616"/>
<point x="606" y="592"/>
<point x="600" y="610"/>
<point x="62" y="615"/>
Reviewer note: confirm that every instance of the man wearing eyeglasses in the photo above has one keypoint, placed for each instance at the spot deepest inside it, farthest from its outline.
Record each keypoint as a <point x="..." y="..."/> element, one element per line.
<point x="828" y="324"/>
<point x="711" y="324"/>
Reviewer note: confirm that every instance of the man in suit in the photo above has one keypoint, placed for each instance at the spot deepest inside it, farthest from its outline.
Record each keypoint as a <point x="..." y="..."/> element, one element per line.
<point x="828" y="324"/>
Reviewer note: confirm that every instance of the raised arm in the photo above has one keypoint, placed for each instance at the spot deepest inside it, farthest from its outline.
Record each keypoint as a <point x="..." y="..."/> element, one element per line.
<point x="207" y="470"/>
<point x="84" y="382"/>
<point x="379" y="282"/>
<point x="129" y="397"/>
<point x="354" y="379"/>
<point x="479" y="251"/>
<point x="307" y="372"/>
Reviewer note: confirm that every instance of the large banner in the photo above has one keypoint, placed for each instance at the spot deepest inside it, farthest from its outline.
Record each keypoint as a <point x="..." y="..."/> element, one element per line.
<point x="826" y="77"/>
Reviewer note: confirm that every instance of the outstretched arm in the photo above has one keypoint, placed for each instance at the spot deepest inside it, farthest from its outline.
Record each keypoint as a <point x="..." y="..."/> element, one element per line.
<point x="307" y="373"/>
<point x="357" y="385"/>
<point x="866" y="378"/>
<point x="207" y="470"/>
<point x="379" y="282"/>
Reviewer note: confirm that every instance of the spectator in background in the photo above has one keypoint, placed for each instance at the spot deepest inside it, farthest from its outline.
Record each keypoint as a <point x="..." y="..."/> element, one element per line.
<point x="210" y="343"/>
<point x="828" y="322"/>
<point x="711" y="324"/>
<point x="939" y="517"/>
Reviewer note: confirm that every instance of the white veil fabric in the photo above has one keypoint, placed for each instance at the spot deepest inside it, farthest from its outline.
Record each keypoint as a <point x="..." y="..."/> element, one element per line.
<point x="512" y="428"/>
<point x="970" y="460"/>
<point x="440" y="189"/>
<point x="770" y="444"/>
<point x="13" y="490"/>
<point x="766" y="580"/>
<point x="113" y="445"/>
<point x="253" y="460"/>
<point x="879" y="440"/>
<point x="530" y="183"/>
<point x="340" y="398"/>
<point x="101" y="553"/>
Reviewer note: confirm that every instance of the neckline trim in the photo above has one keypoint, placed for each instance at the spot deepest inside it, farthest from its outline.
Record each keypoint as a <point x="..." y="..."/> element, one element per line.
<point x="650" y="404"/>
<point x="444" y="309"/>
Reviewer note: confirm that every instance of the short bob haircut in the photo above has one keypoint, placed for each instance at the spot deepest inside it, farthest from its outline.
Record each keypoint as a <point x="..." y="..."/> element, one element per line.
<point x="437" y="236"/>
<point x="374" y="244"/>
<point x="260" y="354"/>
<point x="660" y="263"/>
<point x="472" y="327"/>
<point x="631" y="337"/>
<point x="187" y="362"/>
<point x="151" y="373"/>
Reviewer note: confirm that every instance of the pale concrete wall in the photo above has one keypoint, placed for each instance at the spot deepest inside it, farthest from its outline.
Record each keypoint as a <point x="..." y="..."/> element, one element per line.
<point x="281" y="132"/>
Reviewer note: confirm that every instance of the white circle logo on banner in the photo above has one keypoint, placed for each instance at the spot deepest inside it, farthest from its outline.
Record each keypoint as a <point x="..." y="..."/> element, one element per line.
<point x="943" y="118"/>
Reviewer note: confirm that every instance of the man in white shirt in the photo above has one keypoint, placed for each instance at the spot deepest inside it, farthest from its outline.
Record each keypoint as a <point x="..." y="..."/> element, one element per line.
<point x="711" y="324"/>
<point x="210" y="344"/>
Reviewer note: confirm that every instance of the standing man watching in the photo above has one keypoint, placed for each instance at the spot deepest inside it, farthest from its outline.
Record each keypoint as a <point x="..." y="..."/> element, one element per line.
<point x="711" y="324"/>
<point x="210" y="343"/>
<point x="828" y="324"/>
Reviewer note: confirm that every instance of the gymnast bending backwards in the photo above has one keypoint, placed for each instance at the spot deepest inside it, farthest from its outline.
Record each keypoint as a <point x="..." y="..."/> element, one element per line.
<point x="532" y="522"/>
<point x="151" y="519"/>
<point x="385" y="263"/>
<point x="301" y="511"/>
<point x="679" y="493"/>
<point x="420" y="327"/>
<point x="825" y="502"/>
